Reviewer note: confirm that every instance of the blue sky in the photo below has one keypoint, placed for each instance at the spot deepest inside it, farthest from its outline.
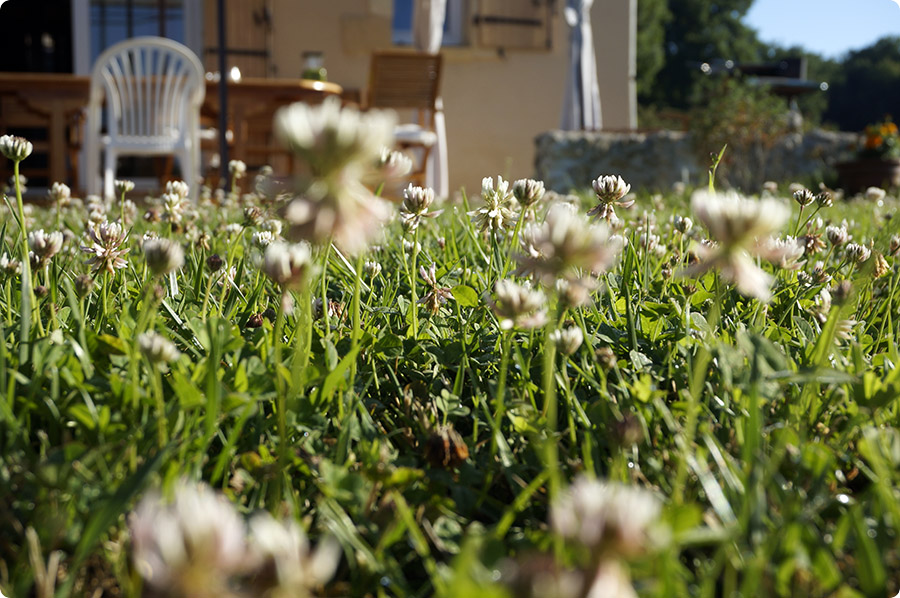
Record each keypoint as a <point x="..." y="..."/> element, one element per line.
<point x="828" y="27"/>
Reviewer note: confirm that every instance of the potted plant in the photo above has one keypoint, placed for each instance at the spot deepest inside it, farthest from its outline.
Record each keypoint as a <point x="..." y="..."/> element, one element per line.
<point x="878" y="161"/>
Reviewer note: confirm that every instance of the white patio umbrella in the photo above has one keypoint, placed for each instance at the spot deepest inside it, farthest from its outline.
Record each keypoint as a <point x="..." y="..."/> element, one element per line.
<point x="428" y="33"/>
<point x="581" y="108"/>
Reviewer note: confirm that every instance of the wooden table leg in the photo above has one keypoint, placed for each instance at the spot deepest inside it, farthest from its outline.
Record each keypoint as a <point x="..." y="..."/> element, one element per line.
<point x="57" y="138"/>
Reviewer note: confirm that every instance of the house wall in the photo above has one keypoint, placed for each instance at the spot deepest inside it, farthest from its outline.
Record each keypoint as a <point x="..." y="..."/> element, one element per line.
<point x="495" y="105"/>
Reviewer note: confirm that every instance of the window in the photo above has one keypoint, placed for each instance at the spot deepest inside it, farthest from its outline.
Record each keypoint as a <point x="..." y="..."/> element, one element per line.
<point x="113" y="21"/>
<point x="454" y="20"/>
<point x="99" y="24"/>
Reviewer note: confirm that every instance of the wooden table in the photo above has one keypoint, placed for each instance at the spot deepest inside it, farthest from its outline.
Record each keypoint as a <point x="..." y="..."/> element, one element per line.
<point x="53" y="98"/>
<point x="252" y="103"/>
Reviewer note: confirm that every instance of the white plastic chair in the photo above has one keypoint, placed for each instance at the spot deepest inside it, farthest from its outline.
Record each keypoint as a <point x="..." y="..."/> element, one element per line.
<point x="154" y="88"/>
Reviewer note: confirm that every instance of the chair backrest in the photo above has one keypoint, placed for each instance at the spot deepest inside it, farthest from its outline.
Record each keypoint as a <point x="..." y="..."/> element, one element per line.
<point x="403" y="80"/>
<point x="154" y="88"/>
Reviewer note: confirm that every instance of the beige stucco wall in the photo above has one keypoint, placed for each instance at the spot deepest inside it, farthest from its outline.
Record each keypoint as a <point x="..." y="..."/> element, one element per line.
<point x="494" y="105"/>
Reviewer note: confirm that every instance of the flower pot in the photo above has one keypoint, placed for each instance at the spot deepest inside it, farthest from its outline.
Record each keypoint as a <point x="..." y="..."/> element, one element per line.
<point x="856" y="176"/>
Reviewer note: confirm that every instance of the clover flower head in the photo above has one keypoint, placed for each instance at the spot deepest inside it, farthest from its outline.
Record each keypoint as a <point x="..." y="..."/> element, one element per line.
<point x="105" y="246"/>
<point x="262" y="238"/>
<point x="157" y="349"/>
<point x="393" y="164"/>
<point x="9" y="266"/>
<point x="740" y="227"/>
<point x="173" y="207"/>
<point x="567" y="340"/>
<point x="528" y="192"/>
<point x="436" y="295"/>
<point x="416" y="202"/>
<point x="350" y="219"/>
<point x="683" y="224"/>
<point x="517" y="305"/>
<point x="733" y="220"/>
<point x="804" y="197"/>
<point x="785" y="253"/>
<point x="123" y="186"/>
<point x="875" y="193"/>
<point x="60" y="193"/>
<point x="894" y="246"/>
<point x="605" y="516"/>
<point x="163" y="255"/>
<point x="179" y="188"/>
<point x="837" y="235"/>
<point x="191" y="546"/>
<point x="45" y="245"/>
<point x="330" y="137"/>
<point x="610" y="189"/>
<point x="15" y="148"/>
<point x="288" y="265"/>
<point x="372" y="268"/>
<point x="237" y="169"/>
<point x="857" y="253"/>
<point x="282" y="550"/>
<point x="566" y="243"/>
<point x="825" y="199"/>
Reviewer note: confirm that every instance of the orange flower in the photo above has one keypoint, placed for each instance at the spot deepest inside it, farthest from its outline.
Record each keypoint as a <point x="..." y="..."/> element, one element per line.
<point x="873" y="141"/>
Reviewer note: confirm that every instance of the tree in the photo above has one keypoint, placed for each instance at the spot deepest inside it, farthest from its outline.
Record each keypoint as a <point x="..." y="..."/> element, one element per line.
<point x="695" y="31"/>
<point x="867" y="86"/>
<point x="653" y="15"/>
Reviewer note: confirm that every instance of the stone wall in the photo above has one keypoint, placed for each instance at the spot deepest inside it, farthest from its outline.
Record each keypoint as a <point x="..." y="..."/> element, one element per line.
<point x="654" y="161"/>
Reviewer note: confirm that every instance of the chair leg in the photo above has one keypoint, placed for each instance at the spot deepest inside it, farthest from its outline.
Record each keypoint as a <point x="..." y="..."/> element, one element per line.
<point x="109" y="173"/>
<point x="188" y="170"/>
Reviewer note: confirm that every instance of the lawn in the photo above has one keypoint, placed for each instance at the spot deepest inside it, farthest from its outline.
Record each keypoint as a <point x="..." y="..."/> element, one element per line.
<point x="294" y="388"/>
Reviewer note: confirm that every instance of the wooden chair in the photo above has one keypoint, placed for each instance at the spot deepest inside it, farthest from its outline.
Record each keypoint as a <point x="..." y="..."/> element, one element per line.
<point x="409" y="81"/>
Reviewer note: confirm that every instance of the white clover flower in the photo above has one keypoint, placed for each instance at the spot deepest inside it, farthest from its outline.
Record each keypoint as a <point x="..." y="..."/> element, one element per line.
<point x="392" y="164"/>
<point x="837" y="235"/>
<point x="330" y="137"/>
<point x="528" y="192"/>
<point x="262" y="238"/>
<point x="237" y="169"/>
<point x="682" y="224"/>
<point x="288" y="265"/>
<point x="163" y="255"/>
<point x="605" y="516"/>
<point x="274" y="226"/>
<point x="857" y="253"/>
<point x="350" y="219"/>
<point x="191" y="547"/>
<point x="517" y="306"/>
<point x="60" y="193"/>
<point x="123" y="186"/>
<point x="804" y="197"/>
<point x="739" y="226"/>
<point x="875" y="193"/>
<point x="157" y="348"/>
<point x="15" y="148"/>
<point x="105" y="247"/>
<point x="9" y="266"/>
<point x="567" y="340"/>
<point x="372" y="268"/>
<point x="45" y="245"/>
<point x="495" y="214"/>
<point x="567" y="243"/>
<point x="284" y="548"/>
<point x="416" y="202"/>
<point x="784" y="253"/>
<point x="611" y="190"/>
<point x="179" y="188"/>
<point x="173" y="207"/>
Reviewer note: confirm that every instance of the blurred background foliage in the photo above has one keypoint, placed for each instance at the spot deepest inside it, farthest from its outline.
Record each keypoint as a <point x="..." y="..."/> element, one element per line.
<point x="675" y="37"/>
